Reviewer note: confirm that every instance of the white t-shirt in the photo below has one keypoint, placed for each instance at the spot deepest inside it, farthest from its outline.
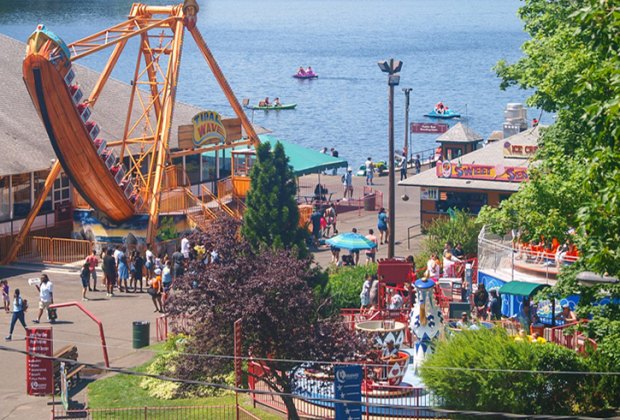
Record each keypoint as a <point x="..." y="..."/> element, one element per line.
<point x="117" y="254"/>
<point x="46" y="290"/>
<point x="149" y="256"/>
<point x="185" y="247"/>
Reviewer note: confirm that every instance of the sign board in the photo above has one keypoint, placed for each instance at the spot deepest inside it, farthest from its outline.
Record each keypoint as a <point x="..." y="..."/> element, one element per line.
<point x="348" y="387"/>
<point x="39" y="372"/>
<point x="429" y="128"/>
<point x="519" y="151"/>
<point x="446" y="169"/>
<point x="228" y="130"/>
<point x="429" y="193"/>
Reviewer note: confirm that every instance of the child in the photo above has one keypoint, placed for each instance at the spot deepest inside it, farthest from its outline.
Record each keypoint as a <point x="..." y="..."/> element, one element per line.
<point x="365" y="294"/>
<point x="5" y="296"/>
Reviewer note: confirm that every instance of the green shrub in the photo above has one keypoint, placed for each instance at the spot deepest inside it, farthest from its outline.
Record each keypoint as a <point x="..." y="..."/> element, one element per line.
<point x="459" y="228"/>
<point x="345" y="284"/>
<point x="163" y="364"/>
<point x="507" y="390"/>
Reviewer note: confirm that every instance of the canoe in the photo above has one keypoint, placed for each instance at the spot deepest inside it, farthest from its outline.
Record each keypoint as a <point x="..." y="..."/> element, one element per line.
<point x="446" y="115"/>
<point x="306" y="76"/>
<point x="273" y="108"/>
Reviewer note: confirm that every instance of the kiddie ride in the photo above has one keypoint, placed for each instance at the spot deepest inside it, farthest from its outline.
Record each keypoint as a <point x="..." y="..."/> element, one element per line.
<point x="124" y="177"/>
<point x="388" y="380"/>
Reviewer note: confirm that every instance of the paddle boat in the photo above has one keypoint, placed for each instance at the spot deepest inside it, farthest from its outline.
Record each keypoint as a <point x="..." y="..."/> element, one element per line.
<point x="306" y="76"/>
<point x="272" y="107"/>
<point x="447" y="114"/>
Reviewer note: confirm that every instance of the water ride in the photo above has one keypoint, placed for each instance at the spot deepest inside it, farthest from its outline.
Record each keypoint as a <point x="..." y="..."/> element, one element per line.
<point x="306" y="76"/>
<point x="272" y="107"/>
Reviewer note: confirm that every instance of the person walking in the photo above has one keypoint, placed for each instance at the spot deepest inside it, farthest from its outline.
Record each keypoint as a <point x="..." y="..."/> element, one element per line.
<point x="347" y="181"/>
<point x="417" y="164"/>
<point x="19" y="307"/>
<point x="178" y="263"/>
<point x="46" y="297"/>
<point x="138" y="266"/>
<point x="149" y="263"/>
<point x="6" y="298"/>
<point x="334" y="153"/>
<point x="370" y="171"/>
<point x="403" y="167"/>
<point x="382" y="225"/>
<point x="93" y="262"/>
<point x="185" y="248"/>
<point x="155" y="289"/>
<point x="85" y="277"/>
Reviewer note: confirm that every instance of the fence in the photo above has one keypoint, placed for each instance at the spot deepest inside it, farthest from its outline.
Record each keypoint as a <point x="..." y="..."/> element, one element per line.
<point x="215" y="412"/>
<point x="315" y="395"/>
<point x="38" y="249"/>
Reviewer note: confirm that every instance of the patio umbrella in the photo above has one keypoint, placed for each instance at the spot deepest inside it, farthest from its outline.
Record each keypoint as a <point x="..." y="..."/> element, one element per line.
<point x="350" y="240"/>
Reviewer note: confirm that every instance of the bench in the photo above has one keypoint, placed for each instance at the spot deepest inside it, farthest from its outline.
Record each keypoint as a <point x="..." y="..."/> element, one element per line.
<point x="73" y="369"/>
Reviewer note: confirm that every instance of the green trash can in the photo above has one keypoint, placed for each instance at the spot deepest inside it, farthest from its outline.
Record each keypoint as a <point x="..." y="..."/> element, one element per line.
<point x="141" y="334"/>
<point x="370" y="201"/>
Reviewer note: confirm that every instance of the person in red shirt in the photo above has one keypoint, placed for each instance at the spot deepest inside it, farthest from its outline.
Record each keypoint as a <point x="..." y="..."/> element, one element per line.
<point x="93" y="261"/>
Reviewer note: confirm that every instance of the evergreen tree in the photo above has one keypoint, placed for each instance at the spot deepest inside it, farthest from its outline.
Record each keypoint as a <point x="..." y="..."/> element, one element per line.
<point x="272" y="216"/>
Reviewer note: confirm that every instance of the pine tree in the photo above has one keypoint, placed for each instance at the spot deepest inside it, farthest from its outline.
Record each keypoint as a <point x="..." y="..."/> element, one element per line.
<point x="272" y="216"/>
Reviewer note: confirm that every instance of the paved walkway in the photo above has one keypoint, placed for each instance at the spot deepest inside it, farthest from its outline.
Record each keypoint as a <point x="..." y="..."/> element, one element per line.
<point x="117" y="313"/>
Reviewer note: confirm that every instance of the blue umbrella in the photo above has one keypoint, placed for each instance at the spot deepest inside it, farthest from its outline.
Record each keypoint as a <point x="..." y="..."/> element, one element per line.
<point x="350" y="240"/>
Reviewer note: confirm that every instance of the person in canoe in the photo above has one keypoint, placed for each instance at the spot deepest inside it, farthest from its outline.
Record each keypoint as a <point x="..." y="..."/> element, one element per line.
<point x="276" y="102"/>
<point x="265" y="102"/>
<point x="440" y="108"/>
<point x="301" y="71"/>
<point x="309" y="72"/>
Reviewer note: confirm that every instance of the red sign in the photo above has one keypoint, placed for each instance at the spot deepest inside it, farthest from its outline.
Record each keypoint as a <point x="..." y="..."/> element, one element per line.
<point x="499" y="172"/>
<point x="39" y="372"/>
<point x="429" y="128"/>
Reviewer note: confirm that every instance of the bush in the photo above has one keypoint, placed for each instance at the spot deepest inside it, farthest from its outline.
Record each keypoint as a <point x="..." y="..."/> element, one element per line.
<point x="164" y="364"/>
<point x="504" y="391"/>
<point x="345" y="284"/>
<point x="459" y="228"/>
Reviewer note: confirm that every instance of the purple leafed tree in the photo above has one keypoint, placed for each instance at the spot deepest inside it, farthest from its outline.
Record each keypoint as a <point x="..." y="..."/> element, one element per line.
<point x="268" y="290"/>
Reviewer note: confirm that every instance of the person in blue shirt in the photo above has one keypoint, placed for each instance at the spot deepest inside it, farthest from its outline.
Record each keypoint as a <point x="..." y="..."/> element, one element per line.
<point x="18" y="313"/>
<point x="382" y="225"/>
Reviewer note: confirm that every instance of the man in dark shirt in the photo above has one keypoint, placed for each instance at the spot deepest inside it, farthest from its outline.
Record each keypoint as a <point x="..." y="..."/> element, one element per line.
<point x="109" y="269"/>
<point x="315" y="218"/>
<point x="177" y="263"/>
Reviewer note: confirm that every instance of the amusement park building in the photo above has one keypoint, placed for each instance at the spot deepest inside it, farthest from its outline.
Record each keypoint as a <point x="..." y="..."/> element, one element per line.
<point x="484" y="176"/>
<point x="29" y="156"/>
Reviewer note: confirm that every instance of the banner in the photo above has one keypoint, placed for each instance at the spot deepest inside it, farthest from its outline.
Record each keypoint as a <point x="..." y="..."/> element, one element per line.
<point x="348" y="387"/>
<point x="446" y="169"/>
<point x="519" y="151"/>
<point x="39" y="372"/>
<point x="429" y="128"/>
<point x="208" y="128"/>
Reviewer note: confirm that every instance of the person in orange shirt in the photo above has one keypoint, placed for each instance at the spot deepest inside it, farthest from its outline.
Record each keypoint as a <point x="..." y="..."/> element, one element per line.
<point x="155" y="289"/>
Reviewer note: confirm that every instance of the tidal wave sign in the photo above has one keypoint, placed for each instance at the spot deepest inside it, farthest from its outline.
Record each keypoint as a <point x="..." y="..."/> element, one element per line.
<point x="348" y="392"/>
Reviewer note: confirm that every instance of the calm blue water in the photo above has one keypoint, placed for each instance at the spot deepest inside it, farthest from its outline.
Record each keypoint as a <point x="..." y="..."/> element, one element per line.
<point x="448" y="49"/>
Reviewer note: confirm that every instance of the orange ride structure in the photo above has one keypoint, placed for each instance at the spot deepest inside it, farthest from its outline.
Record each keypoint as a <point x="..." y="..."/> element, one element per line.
<point x="94" y="166"/>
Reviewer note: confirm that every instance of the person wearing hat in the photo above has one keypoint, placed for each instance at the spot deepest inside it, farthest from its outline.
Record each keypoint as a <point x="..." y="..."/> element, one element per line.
<point x="347" y="180"/>
<point x="567" y="315"/>
<point x="155" y="289"/>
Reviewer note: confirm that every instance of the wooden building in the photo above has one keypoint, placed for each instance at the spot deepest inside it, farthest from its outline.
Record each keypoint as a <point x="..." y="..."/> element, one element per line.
<point x="484" y="176"/>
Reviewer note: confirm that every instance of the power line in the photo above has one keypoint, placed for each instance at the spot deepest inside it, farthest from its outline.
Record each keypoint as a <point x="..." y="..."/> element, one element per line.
<point x="310" y="400"/>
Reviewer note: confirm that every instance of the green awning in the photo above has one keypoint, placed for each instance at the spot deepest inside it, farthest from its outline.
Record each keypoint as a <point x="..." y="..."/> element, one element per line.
<point x="303" y="160"/>
<point x="520" y="288"/>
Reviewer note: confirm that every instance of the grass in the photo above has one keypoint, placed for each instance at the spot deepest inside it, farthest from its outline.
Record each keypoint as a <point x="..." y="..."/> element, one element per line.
<point x="124" y="391"/>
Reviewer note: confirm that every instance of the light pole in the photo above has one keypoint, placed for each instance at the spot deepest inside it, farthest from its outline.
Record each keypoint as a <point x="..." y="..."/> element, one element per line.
<point x="392" y="68"/>
<point x="407" y="147"/>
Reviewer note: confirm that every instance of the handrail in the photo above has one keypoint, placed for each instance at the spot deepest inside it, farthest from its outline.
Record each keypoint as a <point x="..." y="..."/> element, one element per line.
<point x="409" y="234"/>
<point x="206" y="192"/>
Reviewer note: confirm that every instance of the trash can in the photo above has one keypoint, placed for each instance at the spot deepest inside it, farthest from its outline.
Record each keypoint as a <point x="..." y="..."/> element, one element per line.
<point x="369" y="202"/>
<point x="141" y="333"/>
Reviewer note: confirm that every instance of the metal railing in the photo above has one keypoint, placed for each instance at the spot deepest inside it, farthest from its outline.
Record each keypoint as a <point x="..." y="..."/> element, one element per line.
<point x="224" y="412"/>
<point x="410" y="237"/>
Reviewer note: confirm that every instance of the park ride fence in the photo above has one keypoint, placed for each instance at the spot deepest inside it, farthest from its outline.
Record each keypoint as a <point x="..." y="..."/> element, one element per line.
<point x="370" y="199"/>
<point x="204" y="412"/>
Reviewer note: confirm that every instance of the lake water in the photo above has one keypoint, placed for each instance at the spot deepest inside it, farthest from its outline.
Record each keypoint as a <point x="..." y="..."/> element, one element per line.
<point x="448" y="49"/>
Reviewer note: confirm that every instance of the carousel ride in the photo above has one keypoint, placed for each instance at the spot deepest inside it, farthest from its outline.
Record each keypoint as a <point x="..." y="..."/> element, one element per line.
<point x="128" y="176"/>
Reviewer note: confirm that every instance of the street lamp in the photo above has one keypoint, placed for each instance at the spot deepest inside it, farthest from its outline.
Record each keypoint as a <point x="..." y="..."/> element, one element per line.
<point x="407" y="147"/>
<point x="391" y="67"/>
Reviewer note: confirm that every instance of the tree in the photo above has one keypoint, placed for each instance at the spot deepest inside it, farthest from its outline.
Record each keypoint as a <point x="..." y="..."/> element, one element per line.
<point x="268" y="289"/>
<point x="461" y="228"/>
<point x="272" y="216"/>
